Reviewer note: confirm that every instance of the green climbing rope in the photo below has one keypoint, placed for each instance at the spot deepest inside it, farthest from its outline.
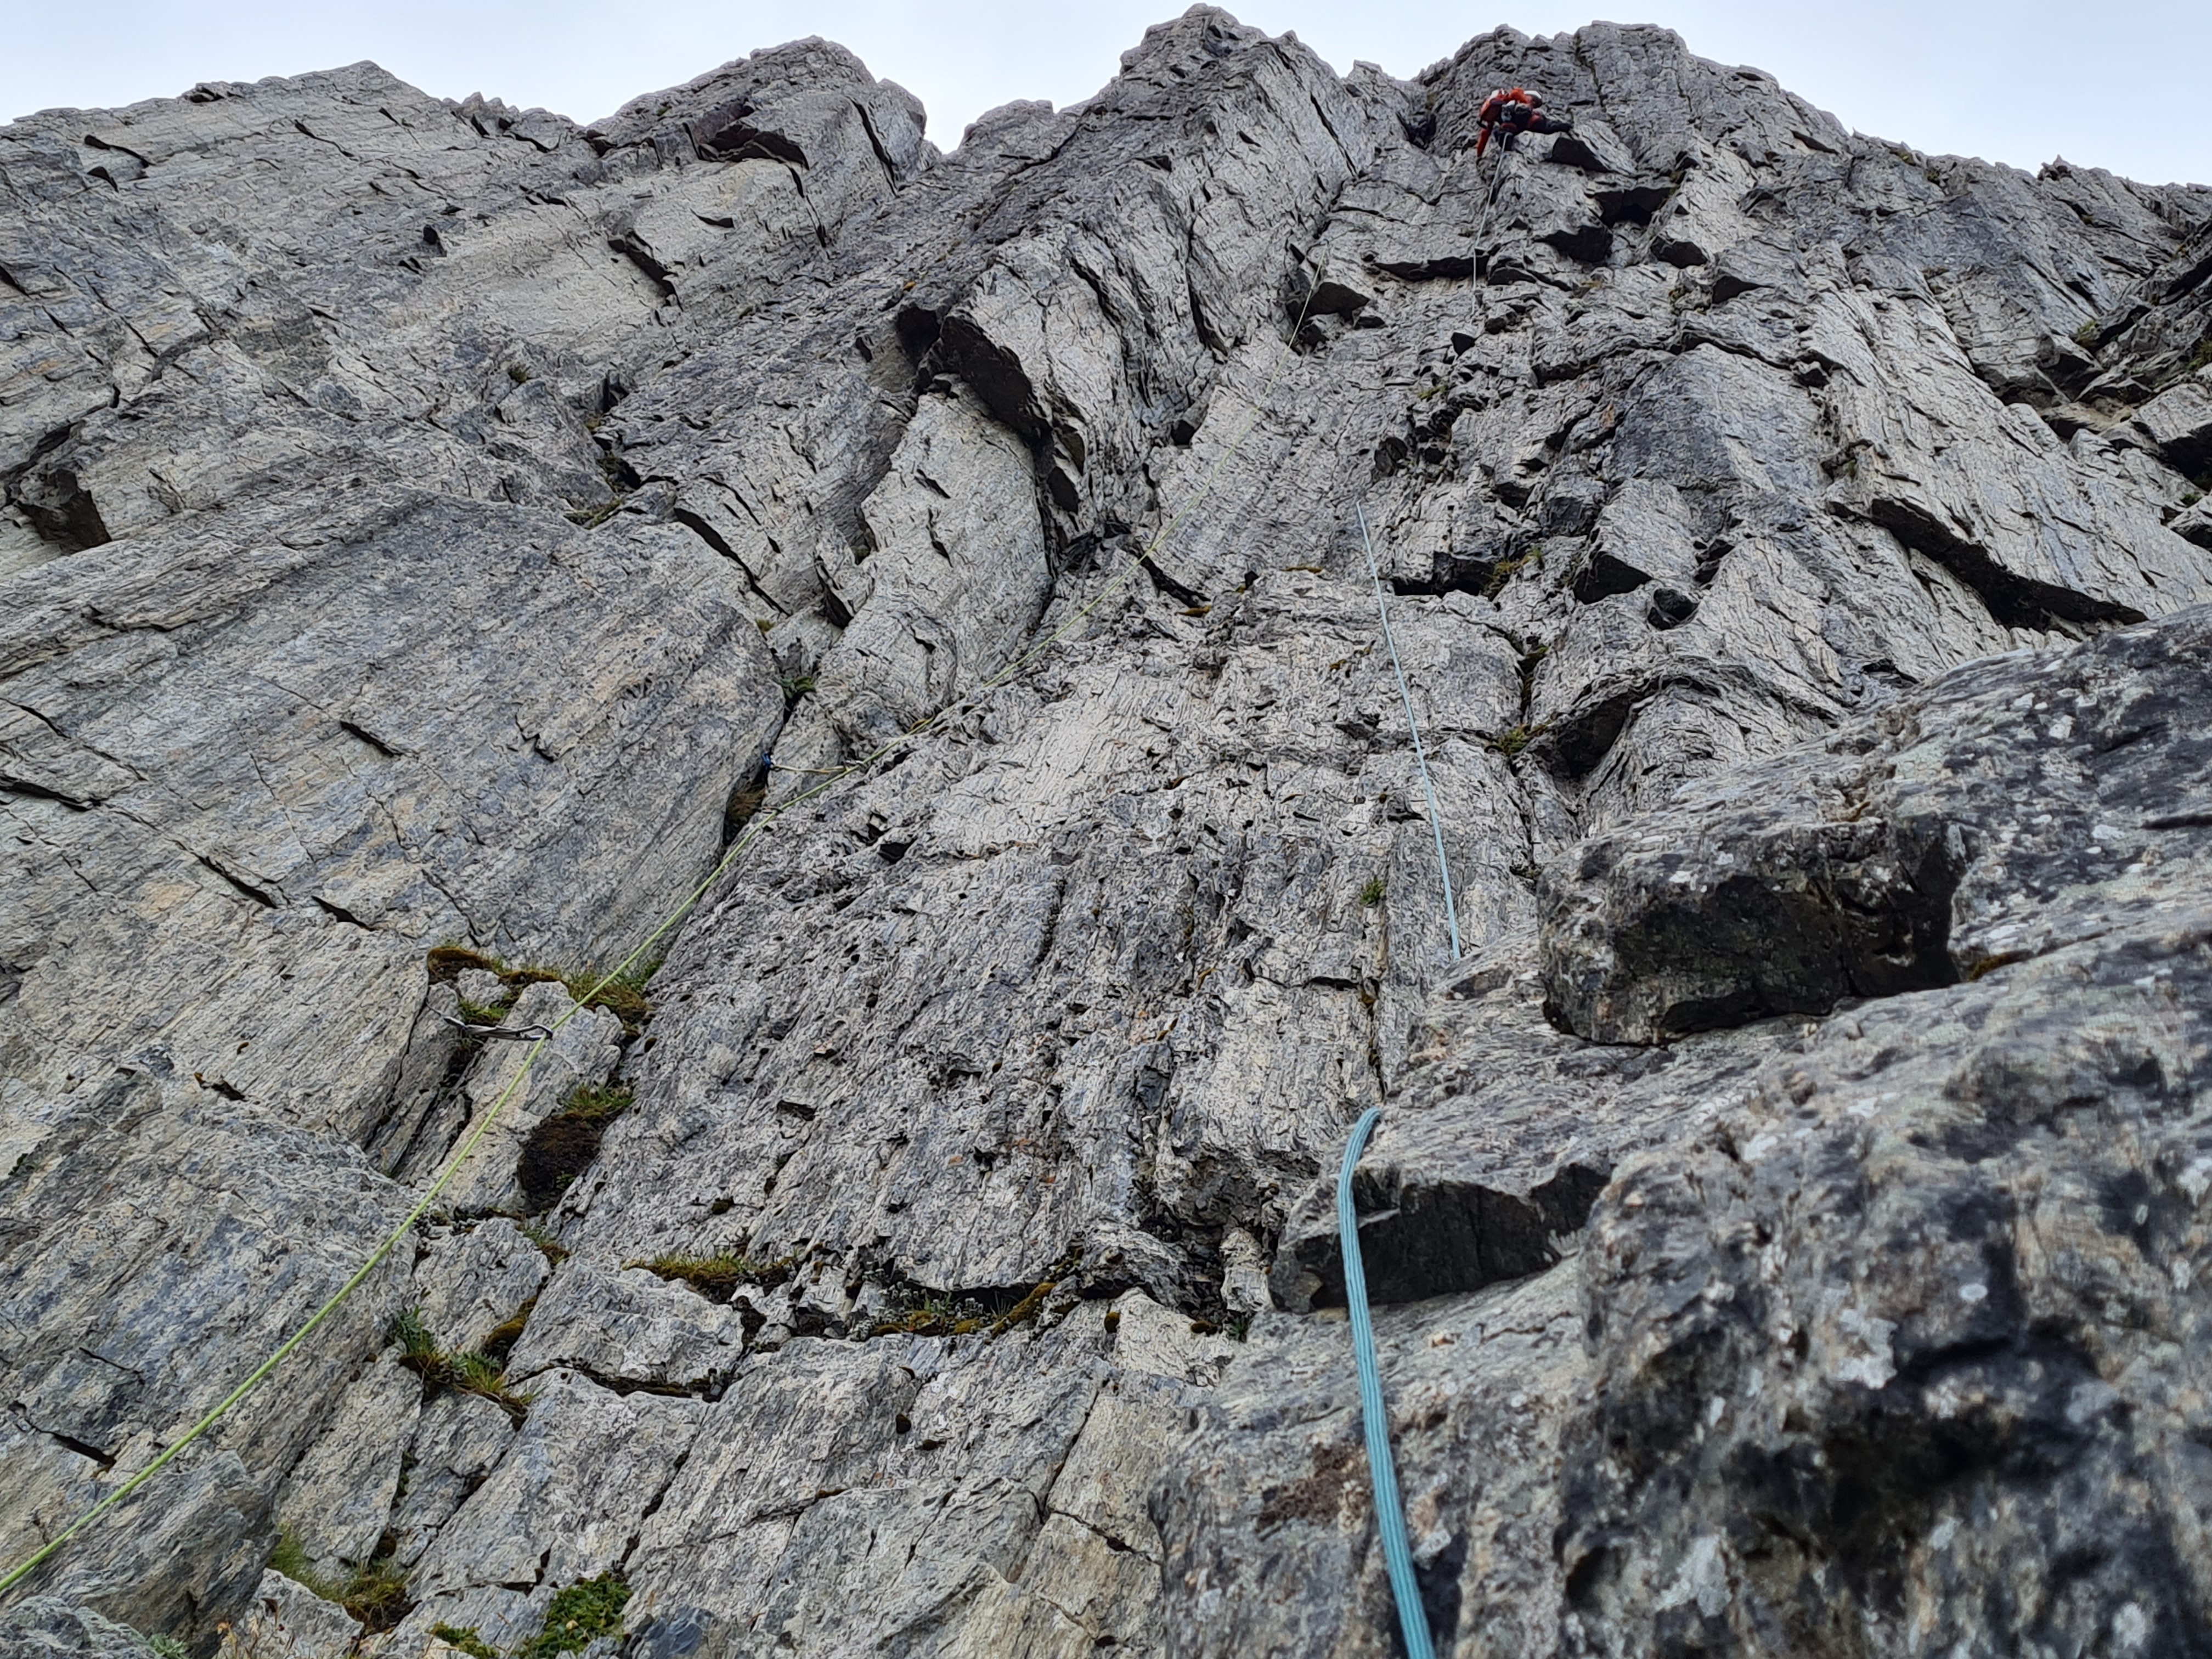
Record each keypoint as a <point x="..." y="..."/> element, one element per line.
<point x="1420" y="758"/>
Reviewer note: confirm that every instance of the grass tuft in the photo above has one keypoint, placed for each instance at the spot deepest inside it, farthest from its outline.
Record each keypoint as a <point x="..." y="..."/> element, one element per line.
<point x="598" y="1102"/>
<point x="1371" y="894"/>
<point x="467" y="1637"/>
<point x="290" y="1559"/>
<point x="376" y="1596"/>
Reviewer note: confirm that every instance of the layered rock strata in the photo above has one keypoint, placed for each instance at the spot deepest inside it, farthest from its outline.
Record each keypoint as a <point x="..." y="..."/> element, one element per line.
<point x="430" y="533"/>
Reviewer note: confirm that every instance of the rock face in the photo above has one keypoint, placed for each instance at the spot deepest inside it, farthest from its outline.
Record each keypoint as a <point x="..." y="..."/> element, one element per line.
<point x="430" y="533"/>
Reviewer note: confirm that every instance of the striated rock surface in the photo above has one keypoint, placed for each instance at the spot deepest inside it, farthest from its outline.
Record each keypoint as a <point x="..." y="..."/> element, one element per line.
<point x="431" y="532"/>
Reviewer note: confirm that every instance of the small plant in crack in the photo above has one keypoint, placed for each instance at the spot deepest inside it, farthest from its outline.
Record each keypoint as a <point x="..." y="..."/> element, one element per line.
<point x="591" y="518"/>
<point x="467" y="1637"/>
<point x="1511" y="743"/>
<point x="622" y="994"/>
<point x="471" y="1373"/>
<point x="1371" y="894"/>
<point x="940" y="1313"/>
<point x="550" y="1248"/>
<point x="374" y="1594"/>
<point x="1032" y="1304"/>
<point x="934" y="1316"/>
<point x="578" y="1616"/>
<point x="619" y="482"/>
<point x="1506" y="569"/>
<point x="417" y="1345"/>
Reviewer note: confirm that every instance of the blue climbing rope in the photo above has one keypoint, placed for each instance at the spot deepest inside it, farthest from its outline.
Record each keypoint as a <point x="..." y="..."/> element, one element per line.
<point x="1374" y="1418"/>
<point x="1389" y="1509"/>
<point x="1421" y="758"/>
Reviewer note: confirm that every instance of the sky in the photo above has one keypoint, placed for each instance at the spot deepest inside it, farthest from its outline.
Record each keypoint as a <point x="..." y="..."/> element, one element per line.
<point x="2113" y="83"/>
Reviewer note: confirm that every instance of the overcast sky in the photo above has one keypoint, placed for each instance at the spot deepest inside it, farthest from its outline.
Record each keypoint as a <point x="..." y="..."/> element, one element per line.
<point x="2115" y="83"/>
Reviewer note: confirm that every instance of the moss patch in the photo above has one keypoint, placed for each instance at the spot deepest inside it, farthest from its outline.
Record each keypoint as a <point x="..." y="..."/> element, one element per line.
<point x="562" y="1148"/>
<point x="717" y="1277"/>
<point x="508" y="1332"/>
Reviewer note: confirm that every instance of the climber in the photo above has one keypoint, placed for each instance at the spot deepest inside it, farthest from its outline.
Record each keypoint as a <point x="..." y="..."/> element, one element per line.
<point x="1515" y="110"/>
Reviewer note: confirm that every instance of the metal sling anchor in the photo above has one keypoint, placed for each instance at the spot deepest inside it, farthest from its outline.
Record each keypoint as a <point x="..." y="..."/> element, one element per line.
<point x="500" y="1033"/>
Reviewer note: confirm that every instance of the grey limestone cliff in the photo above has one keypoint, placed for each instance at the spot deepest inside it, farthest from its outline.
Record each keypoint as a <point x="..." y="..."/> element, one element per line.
<point x="431" y="532"/>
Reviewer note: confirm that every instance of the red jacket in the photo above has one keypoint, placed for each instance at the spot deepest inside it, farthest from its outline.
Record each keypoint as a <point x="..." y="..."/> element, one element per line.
<point x="1511" y="107"/>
